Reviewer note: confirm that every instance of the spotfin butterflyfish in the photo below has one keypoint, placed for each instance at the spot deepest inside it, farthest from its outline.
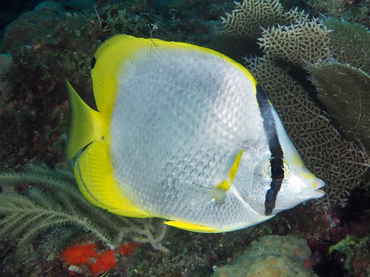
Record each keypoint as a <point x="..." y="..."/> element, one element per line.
<point x="186" y="134"/>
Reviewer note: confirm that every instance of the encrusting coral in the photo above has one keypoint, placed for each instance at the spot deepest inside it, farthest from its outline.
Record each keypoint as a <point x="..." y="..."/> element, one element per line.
<point x="341" y="162"/>
<point x="52" y="199"/>
<point x="271" y="256"/>
<point x="357" y="254"/>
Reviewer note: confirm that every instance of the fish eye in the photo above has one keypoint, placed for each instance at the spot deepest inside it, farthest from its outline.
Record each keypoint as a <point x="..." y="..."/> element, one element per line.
<point x="276" y="168"/>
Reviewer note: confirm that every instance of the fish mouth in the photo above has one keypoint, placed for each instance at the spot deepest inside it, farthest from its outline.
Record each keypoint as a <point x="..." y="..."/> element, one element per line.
<point x="318" y="192"/>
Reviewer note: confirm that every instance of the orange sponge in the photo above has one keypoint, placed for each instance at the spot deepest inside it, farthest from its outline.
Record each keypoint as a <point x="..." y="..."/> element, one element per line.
<point x="99" y="262"/>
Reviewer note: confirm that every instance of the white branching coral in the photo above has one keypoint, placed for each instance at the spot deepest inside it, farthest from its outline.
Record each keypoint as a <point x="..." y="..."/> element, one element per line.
<point x="248" y="18"/>
<point x="53" y="199"/>
<point x="304" y="41"/>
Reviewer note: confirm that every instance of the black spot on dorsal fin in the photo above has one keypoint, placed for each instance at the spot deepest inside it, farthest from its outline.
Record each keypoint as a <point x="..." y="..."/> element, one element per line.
<point x="93" y="62"/>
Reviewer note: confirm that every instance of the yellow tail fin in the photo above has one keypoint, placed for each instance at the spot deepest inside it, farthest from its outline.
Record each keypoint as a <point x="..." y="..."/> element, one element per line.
<point x="84" y="126"/>
<point x="93" y="169"/>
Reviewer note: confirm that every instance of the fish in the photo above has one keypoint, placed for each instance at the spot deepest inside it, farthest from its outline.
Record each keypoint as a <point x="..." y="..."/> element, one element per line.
<point x="184" y="133"/>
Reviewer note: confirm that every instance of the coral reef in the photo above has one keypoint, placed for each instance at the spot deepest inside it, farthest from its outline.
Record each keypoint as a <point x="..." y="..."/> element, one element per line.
<point x="52" y="199"/>
<point x="271" y="256"/>
<point x="6" y="63"/>
<point x="356" y="252"/>
<point x="351" y="11"/>
<point x="24" y="29"/>
<point x="250" y="17"/>
<point x="341" y="162"/>
<point x="34" y="118"/>
<point x="48" y="45"/>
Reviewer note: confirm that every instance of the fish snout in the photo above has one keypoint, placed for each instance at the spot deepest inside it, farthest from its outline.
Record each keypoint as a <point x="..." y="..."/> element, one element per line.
<point x="317" y="185"/>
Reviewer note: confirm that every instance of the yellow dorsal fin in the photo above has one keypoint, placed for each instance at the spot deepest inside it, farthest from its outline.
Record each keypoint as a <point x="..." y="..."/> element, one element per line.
<point x="192" y="227"/>
<point x="112" y="57"/>
<point x="106" y="67"/>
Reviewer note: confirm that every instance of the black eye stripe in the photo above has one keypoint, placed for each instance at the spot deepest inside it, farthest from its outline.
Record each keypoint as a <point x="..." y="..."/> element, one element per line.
<point x="269" y="124"/>
<point x="277" y="168"/>
<point x="271" y="195"/>
<point x="276" y="161"/>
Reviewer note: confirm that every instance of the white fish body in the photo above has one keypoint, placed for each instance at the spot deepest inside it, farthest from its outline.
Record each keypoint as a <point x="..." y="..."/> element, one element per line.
<point x="186" y="134"/>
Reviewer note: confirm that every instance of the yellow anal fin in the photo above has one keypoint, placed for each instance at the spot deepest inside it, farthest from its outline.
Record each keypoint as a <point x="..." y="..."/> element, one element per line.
<point x="192" y="227"/>
<point x="96" y="181"/>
